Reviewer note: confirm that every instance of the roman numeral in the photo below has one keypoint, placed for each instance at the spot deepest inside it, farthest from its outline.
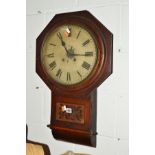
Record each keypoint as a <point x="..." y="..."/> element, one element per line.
<point x="86" y="65"/>
<point x="78" y="35"/>
<point x="52" y="44"/>
<point x="79" y="74"/>
<point x="52" y="65"/>
<point x="88" y="53"/>
<point x="59" y="72"/>
<point x="86" y="42"/>
<point x="50" y="55"/>
<point x="68" y="76"/>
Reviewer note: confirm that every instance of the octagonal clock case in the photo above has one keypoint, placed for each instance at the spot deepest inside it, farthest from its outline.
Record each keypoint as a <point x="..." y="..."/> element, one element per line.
<point x="73" y="57"/>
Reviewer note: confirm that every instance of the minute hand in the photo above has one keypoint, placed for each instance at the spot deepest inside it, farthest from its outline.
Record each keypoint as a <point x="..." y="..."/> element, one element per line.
<point x="86" y="54"/>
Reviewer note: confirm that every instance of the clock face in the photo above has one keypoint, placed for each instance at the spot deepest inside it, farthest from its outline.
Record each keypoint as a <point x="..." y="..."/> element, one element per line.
<point x="69" y="54"/>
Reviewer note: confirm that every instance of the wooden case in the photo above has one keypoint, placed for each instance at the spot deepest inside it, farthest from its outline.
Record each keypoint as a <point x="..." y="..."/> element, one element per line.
<point x="80" y="126"/>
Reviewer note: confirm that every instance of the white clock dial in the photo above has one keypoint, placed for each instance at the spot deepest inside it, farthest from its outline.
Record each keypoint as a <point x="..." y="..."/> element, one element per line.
<point x="69" y="54"/>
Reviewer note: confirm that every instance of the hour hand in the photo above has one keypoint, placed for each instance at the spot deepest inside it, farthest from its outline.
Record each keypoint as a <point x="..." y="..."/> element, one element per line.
<point x="60" y="37"/>
<point x="62" y="42"/>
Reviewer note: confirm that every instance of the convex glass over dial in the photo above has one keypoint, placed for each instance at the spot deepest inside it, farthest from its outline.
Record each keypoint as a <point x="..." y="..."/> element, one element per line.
<point x="69" y="54"/>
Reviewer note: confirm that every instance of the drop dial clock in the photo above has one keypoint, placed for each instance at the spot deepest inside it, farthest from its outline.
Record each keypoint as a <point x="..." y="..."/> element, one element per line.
<point x="74" y="57"/>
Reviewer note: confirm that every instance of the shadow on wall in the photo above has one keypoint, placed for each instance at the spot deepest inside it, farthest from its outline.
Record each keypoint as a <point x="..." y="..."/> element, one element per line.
<point x="72" y="153"/>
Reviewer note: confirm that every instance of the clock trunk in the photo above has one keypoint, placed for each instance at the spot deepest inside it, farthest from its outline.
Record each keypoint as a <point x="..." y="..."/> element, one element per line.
<point x="74" y="119"/>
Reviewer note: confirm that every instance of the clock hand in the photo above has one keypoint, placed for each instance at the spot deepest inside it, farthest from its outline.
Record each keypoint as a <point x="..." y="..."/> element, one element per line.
<point x="71" y="53"/>
<point x="74" y="54"/>
<point x="62" y="42"/>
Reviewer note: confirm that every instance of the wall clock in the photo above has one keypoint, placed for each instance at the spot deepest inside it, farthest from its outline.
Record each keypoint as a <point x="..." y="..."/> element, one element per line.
<point x="73" y="57"/>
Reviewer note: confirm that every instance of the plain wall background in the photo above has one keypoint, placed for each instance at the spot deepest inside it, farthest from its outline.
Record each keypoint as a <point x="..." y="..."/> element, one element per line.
<point x="112" y="112"/>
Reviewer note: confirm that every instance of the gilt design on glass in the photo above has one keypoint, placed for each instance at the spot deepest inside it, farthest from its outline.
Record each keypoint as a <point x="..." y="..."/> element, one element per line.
<point x="70" y="113"/>
<point x="69" y="54"/>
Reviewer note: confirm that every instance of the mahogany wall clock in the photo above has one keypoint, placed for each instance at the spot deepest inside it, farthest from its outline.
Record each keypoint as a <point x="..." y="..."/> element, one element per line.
<point x="73" y="57"/>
